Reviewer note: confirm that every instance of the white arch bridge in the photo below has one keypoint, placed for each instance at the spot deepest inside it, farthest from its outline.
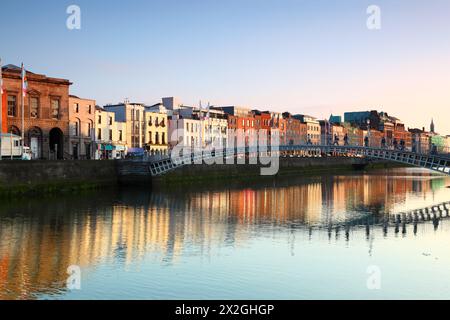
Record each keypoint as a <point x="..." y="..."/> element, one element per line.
<point x="435" y="162"/>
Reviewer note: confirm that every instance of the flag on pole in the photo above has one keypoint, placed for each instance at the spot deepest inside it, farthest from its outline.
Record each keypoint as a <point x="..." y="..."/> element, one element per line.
<point x="1" y="105"/>
<point x="1" y="77"/>
<point x="24" y="81"/>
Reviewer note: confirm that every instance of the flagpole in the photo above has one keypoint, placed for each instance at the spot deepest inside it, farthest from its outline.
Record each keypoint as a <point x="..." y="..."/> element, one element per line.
<point x="1" y="108"/>
<point x="22" y="107"/>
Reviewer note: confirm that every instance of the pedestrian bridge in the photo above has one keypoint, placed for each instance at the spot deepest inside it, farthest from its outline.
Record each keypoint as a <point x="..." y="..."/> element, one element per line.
<point x="435" y="162"/>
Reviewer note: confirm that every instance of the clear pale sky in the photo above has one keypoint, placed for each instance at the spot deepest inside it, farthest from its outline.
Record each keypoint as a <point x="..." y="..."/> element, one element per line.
<point x="313" y="56"/>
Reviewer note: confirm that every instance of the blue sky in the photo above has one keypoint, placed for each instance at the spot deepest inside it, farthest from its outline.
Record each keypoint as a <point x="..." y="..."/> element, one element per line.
<point x="312" y="56"/>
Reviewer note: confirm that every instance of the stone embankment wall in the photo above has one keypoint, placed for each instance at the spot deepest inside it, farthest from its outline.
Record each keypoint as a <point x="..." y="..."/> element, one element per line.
<point x="23" y="177"/>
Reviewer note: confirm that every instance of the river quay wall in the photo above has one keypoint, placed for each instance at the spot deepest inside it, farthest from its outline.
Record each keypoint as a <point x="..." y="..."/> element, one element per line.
<point x="38" y="177"/>
<point x="287" y="166"/>
<point x="28" y="177"/>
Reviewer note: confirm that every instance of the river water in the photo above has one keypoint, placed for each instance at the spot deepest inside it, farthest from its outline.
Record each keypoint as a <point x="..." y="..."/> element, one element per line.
<point x="315" y="237"/>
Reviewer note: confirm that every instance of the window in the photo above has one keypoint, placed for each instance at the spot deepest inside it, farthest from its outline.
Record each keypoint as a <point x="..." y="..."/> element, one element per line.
<point x="99" y="119"/>
<point x="89" y="129"/>
<point x="34" y="107"/>
<point x="120" y="135"/>
<point x="110" y="135"/>
<point x="99" y="134"/>
<point x="110" y="120"/>
<point x="76" y="129"/>
<point x="55" y="108"/>
<point x="150" y="137"/>
<point x="76" y="108"/>
<point x="90" y="109"/>
<point x="12" y="106"/>
<point x="163" y="138"/>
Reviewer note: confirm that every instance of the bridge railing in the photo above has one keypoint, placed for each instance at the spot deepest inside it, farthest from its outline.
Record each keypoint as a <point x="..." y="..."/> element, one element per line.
<point x="290" y="147"/>
<point x="440" y="163"/>
<point x="369" y="140"/>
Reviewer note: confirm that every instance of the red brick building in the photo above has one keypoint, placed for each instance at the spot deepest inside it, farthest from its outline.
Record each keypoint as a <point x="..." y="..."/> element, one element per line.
<point x="46" y="113"/>
<point x="278" y="123"/>
<point x="262" y="120"/>
<point x="402" y="137"/>
<point x="296" y="131"/>
<point x="375" y="138"/>
<point x="241" y="119"/>
<point x="420" y="140"/>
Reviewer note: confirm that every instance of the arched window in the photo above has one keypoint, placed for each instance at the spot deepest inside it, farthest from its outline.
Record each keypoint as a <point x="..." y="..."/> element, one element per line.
<point x="35" y="142"/>
<point x="35" y="132"/>
<point x="90" y="126"/>
<point x="14" y="130"/>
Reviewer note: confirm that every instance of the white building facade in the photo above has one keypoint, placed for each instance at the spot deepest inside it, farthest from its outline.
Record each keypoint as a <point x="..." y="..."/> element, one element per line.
<point x="185" y="132"/>
<point x="110" y="136"/>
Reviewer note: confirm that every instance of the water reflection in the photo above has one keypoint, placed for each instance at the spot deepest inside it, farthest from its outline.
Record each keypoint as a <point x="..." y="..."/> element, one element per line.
<point x="40" y="238"/>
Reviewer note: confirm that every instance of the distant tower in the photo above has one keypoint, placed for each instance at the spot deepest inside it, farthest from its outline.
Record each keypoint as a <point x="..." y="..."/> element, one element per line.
<point x="432" y="126"/>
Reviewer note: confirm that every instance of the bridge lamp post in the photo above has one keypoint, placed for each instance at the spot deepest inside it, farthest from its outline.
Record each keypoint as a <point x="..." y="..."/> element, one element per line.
<point x="368" y="132"/>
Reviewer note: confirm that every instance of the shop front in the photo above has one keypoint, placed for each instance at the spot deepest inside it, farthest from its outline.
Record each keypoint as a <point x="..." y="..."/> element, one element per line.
<point x="105" y="151"/>
<point x="120" y="152"/>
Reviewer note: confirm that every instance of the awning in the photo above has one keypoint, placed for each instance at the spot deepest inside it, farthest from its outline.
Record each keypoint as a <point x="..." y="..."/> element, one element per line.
<point x="135" y="150"/>
<point x="109" y="147"/>
<point x="106" y="147"/>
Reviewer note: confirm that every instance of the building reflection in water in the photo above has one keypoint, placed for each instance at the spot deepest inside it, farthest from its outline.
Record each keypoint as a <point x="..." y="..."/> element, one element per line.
<point x="40" y="238"/>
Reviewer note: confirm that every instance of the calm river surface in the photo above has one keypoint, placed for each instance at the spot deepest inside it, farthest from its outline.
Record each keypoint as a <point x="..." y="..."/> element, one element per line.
<point x="297" y="238"/>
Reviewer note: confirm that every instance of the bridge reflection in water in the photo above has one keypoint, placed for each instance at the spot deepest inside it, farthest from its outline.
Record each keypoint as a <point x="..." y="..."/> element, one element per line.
<point x="39" y="238"/>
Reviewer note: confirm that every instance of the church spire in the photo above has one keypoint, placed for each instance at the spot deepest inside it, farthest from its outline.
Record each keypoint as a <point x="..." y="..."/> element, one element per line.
<point x="432" y="126"/>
